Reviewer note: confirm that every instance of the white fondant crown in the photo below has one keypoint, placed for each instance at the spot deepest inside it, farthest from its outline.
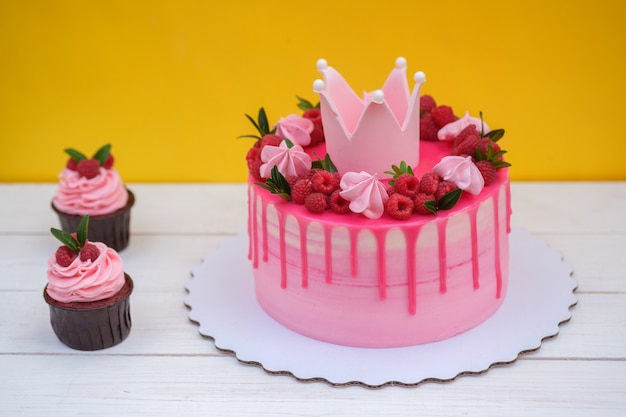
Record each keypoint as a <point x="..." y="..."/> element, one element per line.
<point x="373" y="133"/>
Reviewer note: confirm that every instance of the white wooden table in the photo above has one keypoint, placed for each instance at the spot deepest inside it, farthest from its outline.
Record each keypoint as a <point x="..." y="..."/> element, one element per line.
<point x="165" y="368"/>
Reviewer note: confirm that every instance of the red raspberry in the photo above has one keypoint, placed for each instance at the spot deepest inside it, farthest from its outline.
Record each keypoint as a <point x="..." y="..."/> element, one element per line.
<point x="391" y="190"/>
<point x="399" y="206"/>
<point x="338" y="204"/>
<point x="88" y="168"/>
<point x="301" y="190"/>
<point x="108" y="163"/>
<point x="418" y="203"/>
<point x="487" y="170"/>
<point x="429" y="183"/>
<point x="468" y="146"/>
<point x="428" y="128"/>
<point x="71" y="164"/>
<point x="484" y="146"/>
<point x="444" y="188"/>
<point x="463" y="134"/>
<point x="427" y="103"/>
<point x="442" y="115"/>
<point x="317" y="135"/>
<point x="271" y="140"/>
<point x="253" y="158"/>
<point x="316" y="202"/>
<point x="324" y="182"/>
<point x="64" y="256"/>
<point x="312" y="172"/>
<point x="89" y="251"/>
<point x="314" y="114"/>
<point x="407" y="184"/>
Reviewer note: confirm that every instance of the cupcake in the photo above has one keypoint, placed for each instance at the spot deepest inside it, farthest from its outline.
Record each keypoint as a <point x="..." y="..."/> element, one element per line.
<point x="88" y="292"/>
<point x="91" y="186"/>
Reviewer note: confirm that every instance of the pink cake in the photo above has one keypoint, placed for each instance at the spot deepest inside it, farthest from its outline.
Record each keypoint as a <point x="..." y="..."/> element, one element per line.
<point x="406" y="243"/>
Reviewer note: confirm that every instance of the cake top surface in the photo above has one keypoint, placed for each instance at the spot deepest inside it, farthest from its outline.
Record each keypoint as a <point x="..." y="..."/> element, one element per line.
<point x="391" y="152"/>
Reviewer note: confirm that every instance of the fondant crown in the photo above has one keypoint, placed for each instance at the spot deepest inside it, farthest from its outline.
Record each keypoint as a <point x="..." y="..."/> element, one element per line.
<point x="373" y="133"/>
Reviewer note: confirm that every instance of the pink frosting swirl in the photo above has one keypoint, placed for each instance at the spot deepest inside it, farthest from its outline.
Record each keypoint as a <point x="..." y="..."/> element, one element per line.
<point x="295" y="128"/>
<point x="365" y="193"/>
<point x="86" y="281"/>
<point x="462" y="172"/>
<point x="290" y="161"/>
<point x="102" y="194"/>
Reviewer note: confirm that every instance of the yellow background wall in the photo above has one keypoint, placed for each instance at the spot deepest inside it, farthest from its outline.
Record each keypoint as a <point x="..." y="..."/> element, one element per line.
<point x="168" y="82"/>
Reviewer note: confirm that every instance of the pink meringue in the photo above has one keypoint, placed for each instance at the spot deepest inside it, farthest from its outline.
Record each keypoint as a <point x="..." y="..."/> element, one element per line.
<point x="290" y="161"/>
<point x="451" y="130"/>
<point x="461" y="171"/>
<point x="295" y="128"/>
<point x="365" y="193"/>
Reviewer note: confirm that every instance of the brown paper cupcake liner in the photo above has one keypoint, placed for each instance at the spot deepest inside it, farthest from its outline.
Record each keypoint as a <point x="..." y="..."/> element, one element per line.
<point x="92" y="325"/>
<point x="111" y="229"/>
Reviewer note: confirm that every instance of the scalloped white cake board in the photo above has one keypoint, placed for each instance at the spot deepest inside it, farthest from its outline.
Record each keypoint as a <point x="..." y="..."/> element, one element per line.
<point x="539" y="297"/>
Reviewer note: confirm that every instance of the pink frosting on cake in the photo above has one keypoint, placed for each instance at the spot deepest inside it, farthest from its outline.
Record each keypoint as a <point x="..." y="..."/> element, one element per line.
<point x="103" y="194"/>
<point x="86" y="281"/>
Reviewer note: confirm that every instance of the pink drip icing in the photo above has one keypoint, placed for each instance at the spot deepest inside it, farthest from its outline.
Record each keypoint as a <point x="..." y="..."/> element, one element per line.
<point x="474" y="237"/>
<point x="353" y="252"/>
<point x="304" y="261"/>
<point x="264" y="231"/>
<point x="328" y="254"/>
<point x="281" y="244"/>
<point x="496" y="221"/>
<point x="254" y="233"/>
<point x="508" y="208"/>
<point x="411" y="235"/>
<point x="443" y="262"/>
<point x="382" y="264"/>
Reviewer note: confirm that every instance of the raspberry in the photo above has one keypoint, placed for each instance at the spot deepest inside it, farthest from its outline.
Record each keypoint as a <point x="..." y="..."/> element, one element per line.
<point x="338" y="204"/>
<point x="316" y="202"/>
<point x="406" y="184"/>
<point x="64" y="256"/>
<point x="442" y="115"/>
<point x="271" y="140"/>
<point x="429" y="183"/>
<point x="108" y="163"/>
<point x="428" y="128"/>
<point x="88" y="168"/>
<point x="314" y="114"/>
<point x="324" y="182"/>
<point x="71" y="164"/>
<point x="484" y="146"/>
<point x="399" y="206"/>
<point x="427" y="103"/>
<point x="89" y="251"/>
<point x="317" y="135"/>
<point x="391" y="190"/>
<point x="253" y="158"/>
<point x="487" y="170"/>
<point x="444" y="188"/>
<point x="463" y="134"/>
<point x="301" y="190"/>
<point x="468" y="146"/>
<point x="418" y="203"/>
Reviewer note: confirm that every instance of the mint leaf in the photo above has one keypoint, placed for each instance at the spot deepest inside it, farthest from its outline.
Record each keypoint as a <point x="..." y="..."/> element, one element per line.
<point x="65" y="238"/>
<point x="431" y="206"/>
<point x="450" y="199"/>
<point x="496" y="135"/>
<point x="82" y="231"/>
<point x="102" y="154"/>
<point x="75" y="155"/>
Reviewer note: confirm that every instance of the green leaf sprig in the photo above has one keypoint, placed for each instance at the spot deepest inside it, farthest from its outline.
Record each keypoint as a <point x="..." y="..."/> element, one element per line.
<point x="326" y="164"/>
<point x="403" y="168"/>
<point x="75" y="244"/>
<point x="261" y="124"/>
<point x="304" y="104"/>
<point x="101" y="154"/>
<point x="277" y="184"/>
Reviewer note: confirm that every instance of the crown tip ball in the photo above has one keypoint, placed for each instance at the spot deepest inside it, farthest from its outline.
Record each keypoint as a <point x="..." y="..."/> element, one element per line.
<point x="321" y="64"/>
<point x="400" y="62"/>
<point x="378" y="97"/>
<point x="419" y="77"/>
<point x="318" y="86"/>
